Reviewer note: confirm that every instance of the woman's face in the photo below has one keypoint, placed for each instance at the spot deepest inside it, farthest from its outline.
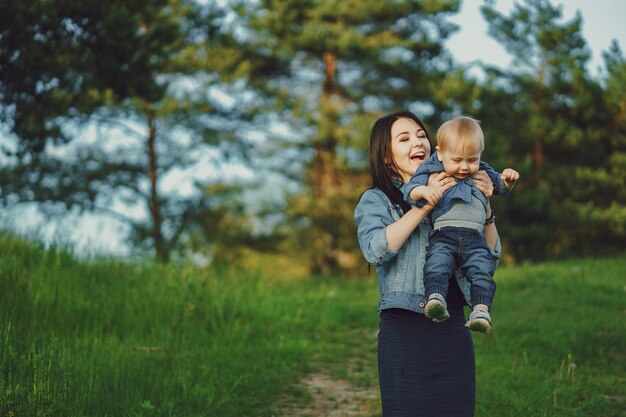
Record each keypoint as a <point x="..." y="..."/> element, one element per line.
<point x="409" y="147"/>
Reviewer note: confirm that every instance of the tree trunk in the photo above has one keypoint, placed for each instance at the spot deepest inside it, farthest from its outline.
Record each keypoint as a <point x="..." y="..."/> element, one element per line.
<point x="325" y="176"/>
<point x="538" y="157"/>
<point x="159" y="243"/>
<point x="540" y="131"/>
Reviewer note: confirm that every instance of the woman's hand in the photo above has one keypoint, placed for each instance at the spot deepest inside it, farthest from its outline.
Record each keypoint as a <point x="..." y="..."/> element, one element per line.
<point x="483" y="183"/>
<point x="441" y="181"/>
<point x="438" y="184"/>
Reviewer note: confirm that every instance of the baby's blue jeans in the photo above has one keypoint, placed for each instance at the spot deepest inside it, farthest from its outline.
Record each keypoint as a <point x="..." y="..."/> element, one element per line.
<point x="450" y="248"/>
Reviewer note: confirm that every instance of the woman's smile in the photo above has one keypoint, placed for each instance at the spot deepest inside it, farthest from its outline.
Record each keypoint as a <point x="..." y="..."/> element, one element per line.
<point x="409" y="147"/>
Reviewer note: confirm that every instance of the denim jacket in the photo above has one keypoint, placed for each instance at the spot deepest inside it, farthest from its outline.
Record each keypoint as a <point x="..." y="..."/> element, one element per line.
<point x="464" y="190"/>
<point x="400" y="272"/>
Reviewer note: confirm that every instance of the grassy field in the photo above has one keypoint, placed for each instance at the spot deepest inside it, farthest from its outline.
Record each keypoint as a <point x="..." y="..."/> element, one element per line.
<point x="559" y="345"/>
<point x="105" y="338"/>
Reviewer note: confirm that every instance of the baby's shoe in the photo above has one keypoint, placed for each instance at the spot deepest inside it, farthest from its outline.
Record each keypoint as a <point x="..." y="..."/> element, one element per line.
<point x="479" y="321"/>
<point x="436" y="308"/>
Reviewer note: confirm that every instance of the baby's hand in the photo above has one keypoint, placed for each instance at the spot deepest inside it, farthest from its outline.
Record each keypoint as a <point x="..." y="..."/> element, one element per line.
<point x="510" y="177"/>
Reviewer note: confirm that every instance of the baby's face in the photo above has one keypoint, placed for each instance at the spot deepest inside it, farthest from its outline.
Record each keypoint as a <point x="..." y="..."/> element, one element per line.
<point x="459" y="164"/>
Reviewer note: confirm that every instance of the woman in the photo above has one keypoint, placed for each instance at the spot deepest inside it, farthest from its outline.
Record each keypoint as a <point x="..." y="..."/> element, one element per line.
<point x="425" y="368"/>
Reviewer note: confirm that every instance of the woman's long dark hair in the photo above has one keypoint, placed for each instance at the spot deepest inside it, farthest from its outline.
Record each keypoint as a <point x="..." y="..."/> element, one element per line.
<point x="383" y="174"/>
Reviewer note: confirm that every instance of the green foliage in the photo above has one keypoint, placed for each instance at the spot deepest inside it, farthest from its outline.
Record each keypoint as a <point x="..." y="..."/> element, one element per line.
<point x="64" y="59"/>
<point x="344" y="64"/>
<point x="171" y="86"/>
<point x="549" y="119"/>
<point x="155" y="67"/>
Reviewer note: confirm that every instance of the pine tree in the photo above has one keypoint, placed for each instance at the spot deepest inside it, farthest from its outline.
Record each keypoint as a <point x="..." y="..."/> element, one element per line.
<point x="344" y="64"/>
<point x="551" y="116"/>
<point x="145" y="70"/>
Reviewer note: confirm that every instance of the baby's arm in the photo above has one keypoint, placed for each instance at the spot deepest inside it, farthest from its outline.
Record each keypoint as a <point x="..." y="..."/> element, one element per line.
<point x="417" y="181"/>
<point x="503" y="182"/>
<point x="438" y="184"/>
<point x="430" y="194"/>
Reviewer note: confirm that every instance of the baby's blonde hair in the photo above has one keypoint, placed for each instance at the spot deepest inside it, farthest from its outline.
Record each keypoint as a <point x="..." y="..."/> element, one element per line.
<point x="462" y="134"/>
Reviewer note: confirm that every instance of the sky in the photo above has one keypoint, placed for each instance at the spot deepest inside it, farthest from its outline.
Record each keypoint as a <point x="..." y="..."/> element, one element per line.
<point x="603" y="20"/>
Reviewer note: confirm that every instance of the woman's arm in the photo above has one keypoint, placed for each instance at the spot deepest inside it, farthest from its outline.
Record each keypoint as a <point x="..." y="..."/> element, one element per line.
<point x="483" y="182"/>
<point x="398" y="232"/>
<point x="372" y="215"/>
<point x="380" y="237"/>
<point x="490" y="230"/>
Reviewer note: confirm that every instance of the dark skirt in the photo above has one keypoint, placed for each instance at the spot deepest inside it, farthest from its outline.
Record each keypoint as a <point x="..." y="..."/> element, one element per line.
<point x="426" y="369"/>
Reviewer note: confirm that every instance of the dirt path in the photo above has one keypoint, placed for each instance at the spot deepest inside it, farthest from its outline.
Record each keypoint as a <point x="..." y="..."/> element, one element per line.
<point x="328" y="397"/>
<point x="343" y="389"/>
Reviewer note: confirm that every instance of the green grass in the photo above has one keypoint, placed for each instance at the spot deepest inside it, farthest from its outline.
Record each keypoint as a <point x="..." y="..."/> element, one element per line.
<point x="559" y="345"/>
<point x="105" y="338"/>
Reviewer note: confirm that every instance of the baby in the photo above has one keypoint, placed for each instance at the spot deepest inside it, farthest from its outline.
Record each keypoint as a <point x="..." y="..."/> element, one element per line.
<point x="457" y="239"/>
